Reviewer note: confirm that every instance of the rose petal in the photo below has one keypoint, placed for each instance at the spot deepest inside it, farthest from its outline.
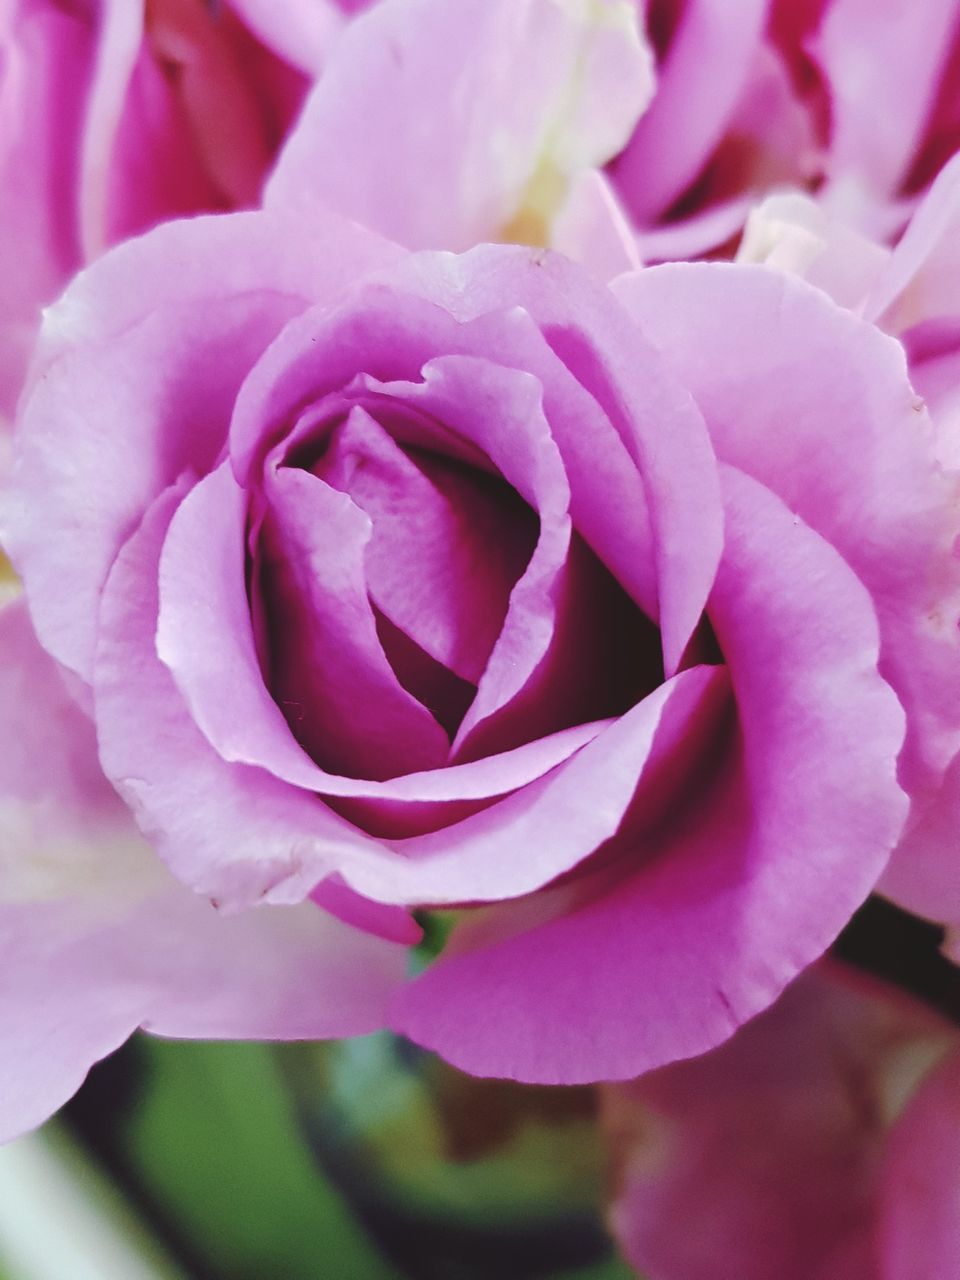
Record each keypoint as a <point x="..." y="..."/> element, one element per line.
<point x="633" y="384"/>
<point x="700" y="82"/>
<point x="153" y="394"/>
<point x="530" y="86"/>
<point x="96" y="939"/>
<point x="779" y="1133"/>
<point x="882" y="69"/>
<point x="812" y="365"/>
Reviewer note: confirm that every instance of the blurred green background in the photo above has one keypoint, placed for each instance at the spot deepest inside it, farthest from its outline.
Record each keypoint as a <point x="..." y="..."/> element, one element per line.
<point x="356" y="1160"/>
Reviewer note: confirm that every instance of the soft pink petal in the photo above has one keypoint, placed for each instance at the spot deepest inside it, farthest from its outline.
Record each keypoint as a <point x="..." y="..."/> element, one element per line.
<point x="784" y="832"/>
<point x="592" y="228"/>
<point x="823" y="413"/>
<point x="96" y="939"/>
<point x="140" y="362"/>
<point x="526" y="84"/>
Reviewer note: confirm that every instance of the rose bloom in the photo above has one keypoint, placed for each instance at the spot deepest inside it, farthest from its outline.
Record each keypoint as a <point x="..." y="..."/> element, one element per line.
<point x="118" y="114"/>
<point x="821" y="1143"/>
<point x="403" y="580"/>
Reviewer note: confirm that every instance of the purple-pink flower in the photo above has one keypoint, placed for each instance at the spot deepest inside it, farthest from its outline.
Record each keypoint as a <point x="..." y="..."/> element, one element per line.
<point x="821" y="1143"/>
<point x="427" y="580"/>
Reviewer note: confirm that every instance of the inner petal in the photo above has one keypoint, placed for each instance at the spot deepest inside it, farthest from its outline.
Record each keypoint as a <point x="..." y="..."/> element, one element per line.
<point x="326" y="667"/>
<point x="448" y="543"/>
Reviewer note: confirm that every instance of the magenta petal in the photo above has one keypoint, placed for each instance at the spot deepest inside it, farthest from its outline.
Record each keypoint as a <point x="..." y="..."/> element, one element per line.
<point x="217" y="671"/>
<point x="554" y="823"/>
<point x="205" y="635"/>
<point x="500" y="410"/>
<point x="46" y="60"/>
<point x="922" y="276"/>
<point x="882" y="72"/>
<point x="750" y="883"/>
<point x="328" y="668"/>
<point x="449" y="541"/>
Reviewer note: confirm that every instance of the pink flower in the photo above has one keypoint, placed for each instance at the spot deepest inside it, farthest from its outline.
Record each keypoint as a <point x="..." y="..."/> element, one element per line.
<point x="430" y="580"/>
<point x="821" y="1143"/>
<point x="118" y="114"/>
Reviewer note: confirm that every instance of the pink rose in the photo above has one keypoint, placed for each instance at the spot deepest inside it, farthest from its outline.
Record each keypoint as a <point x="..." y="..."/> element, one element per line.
<point x="427" y="580"/>
<point x="118" y="114"/>
<point x="821" y="1143"/>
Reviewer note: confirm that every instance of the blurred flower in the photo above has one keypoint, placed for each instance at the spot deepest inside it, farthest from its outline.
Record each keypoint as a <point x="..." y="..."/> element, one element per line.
<point x="118" y="114"/>
<point x="821" y="1143"/>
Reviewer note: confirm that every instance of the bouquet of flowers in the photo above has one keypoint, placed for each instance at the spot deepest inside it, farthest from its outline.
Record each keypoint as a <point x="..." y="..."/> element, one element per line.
<point x="480" y="506"/>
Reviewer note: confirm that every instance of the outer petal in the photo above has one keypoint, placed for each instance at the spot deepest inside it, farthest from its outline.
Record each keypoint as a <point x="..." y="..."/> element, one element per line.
<point x="780" y="834"/>
<point x="822" y="412"/>
<point x="96" y="939"/>
<point x="768" y="1148"/>
<point x="139" y="363"/>
<point x="532" y="90"/>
